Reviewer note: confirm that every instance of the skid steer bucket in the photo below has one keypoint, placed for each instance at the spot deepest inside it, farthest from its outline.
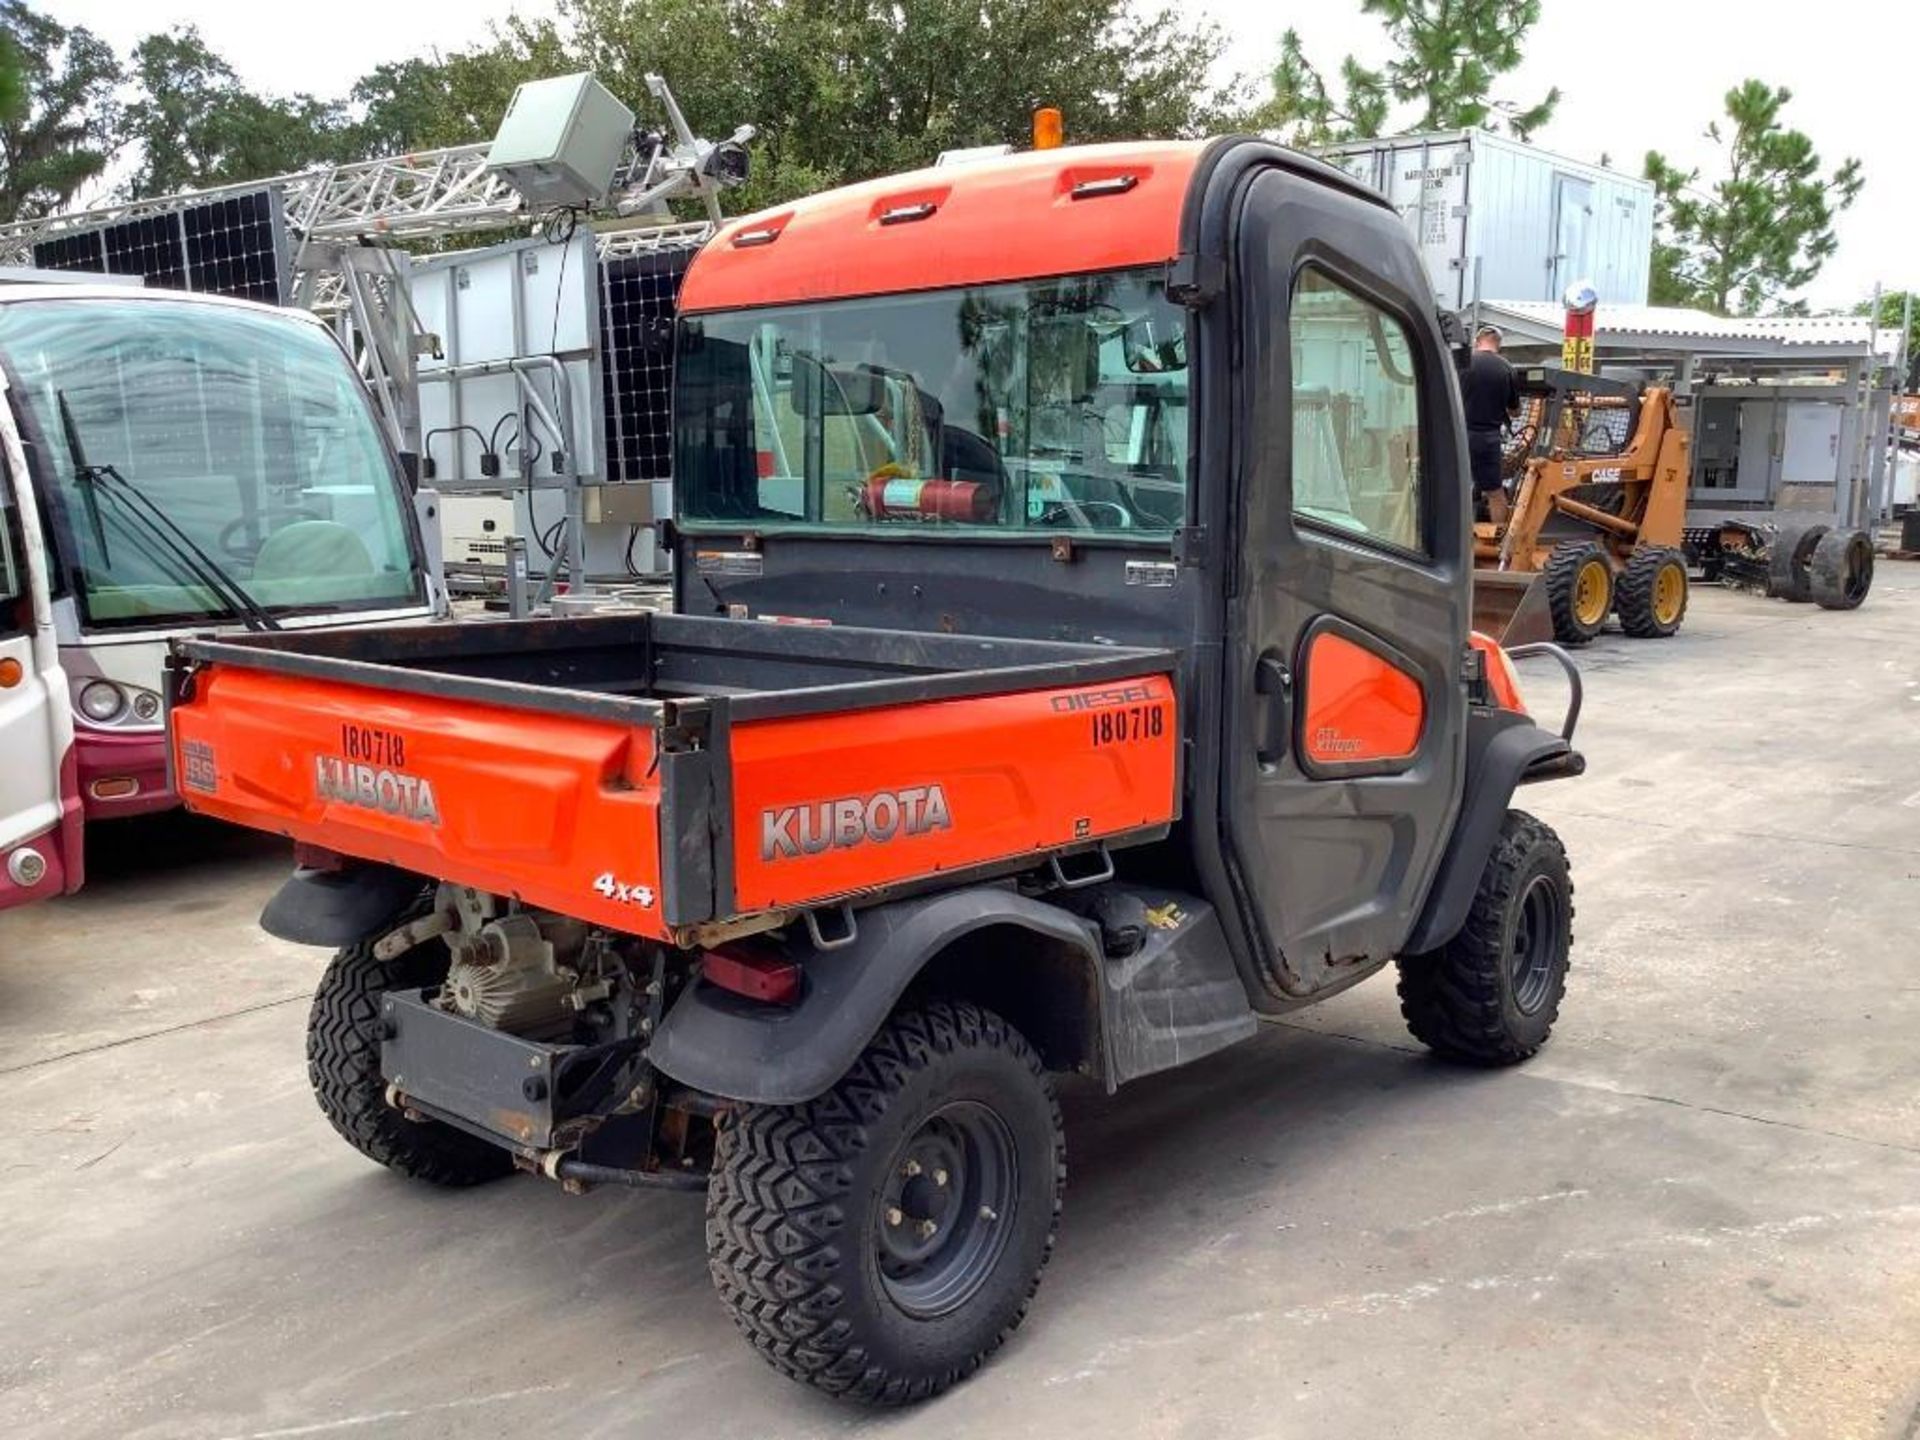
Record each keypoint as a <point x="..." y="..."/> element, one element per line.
<point x="1511" y="607"/>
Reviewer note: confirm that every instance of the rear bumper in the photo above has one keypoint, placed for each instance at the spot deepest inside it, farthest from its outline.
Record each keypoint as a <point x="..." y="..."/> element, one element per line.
<point x="111" y="763"/>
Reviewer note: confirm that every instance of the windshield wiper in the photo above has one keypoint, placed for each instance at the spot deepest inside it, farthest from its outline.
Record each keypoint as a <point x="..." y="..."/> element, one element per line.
<point x="136" y="504"/>
<point x="73" y="449"/>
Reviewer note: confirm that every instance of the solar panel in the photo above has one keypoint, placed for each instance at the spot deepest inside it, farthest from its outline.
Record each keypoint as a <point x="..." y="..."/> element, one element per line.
<point x="234" y="245"/>
<point x="149" y="247"/>
<point x="639" y="297"/>
<point x="79" y="251"/>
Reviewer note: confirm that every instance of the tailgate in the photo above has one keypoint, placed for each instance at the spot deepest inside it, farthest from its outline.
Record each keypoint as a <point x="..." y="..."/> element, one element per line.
<point x="557" y="810"/>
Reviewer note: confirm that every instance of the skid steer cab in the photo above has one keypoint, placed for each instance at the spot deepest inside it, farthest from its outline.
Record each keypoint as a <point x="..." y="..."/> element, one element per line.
<point x="1121" y="494"/>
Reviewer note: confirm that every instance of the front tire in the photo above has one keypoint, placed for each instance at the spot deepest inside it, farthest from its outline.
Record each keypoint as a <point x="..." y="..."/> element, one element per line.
<point x="343" y="1064"/>
<point x="881" y="1241"/>
<point x="1490" y="995"/>
<point x="1579" y="583"/>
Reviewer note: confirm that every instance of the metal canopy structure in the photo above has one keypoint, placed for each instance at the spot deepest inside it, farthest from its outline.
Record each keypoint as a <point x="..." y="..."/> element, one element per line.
<point x="1653" y="334"/>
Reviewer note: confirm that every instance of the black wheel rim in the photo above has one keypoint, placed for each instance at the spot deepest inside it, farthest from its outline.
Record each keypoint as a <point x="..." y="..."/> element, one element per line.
<point x="946" y="1209"/>
<point x="1535" y="953"/>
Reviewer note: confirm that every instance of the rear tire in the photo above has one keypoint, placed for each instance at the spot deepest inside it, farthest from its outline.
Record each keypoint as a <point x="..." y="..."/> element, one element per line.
<point x="1789" y="555"/>
<point x="1490" y="995"/>
<point x="1579" y="581"/>
<point x="343" y="1063"/>
<point x="815" y="1212"/>
<point x="1841" y="571"/>
<point x="1653" y="592"/>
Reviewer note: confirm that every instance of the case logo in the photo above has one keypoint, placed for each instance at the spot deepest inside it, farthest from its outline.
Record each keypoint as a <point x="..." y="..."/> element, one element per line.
<point x="792" y="830"/>
<point x="390" y="792"/>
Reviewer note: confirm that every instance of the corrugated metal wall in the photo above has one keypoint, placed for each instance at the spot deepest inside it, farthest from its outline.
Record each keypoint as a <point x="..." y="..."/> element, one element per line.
<point x="1534" y="221"/>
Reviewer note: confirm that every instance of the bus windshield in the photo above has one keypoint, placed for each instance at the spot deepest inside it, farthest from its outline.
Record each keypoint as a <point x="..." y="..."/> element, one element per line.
<point x="247" y="431"/>
<point x="1041" y="406"/>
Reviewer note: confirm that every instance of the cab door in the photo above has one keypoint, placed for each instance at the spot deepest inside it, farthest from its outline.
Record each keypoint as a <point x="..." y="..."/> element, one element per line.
<point x="39" y="814"/>
<point x="1347" y="618"/>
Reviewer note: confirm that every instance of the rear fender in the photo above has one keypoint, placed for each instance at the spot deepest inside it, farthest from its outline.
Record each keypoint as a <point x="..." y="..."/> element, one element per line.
<point x="340" y="907"/>
<point x="719" y="1043"/>
<point x="1504" y="750"/>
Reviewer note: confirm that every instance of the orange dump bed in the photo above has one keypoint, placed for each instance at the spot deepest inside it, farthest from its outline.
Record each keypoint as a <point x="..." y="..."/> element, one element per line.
<point x="666" y="774"/>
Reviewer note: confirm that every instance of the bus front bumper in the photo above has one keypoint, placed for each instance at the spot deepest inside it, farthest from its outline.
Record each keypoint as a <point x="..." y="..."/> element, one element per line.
<point x="122" y="775"/>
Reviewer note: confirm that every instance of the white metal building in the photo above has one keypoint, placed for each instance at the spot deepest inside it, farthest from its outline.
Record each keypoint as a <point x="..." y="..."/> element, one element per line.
<point x="1498" y="219"/>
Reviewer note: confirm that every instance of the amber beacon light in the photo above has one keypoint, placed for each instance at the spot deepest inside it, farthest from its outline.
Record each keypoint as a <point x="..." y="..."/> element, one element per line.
<point x="1049" y="128"/>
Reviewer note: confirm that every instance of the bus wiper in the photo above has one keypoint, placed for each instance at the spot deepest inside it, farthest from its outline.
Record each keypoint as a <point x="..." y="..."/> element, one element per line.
<point x="79" y="463"/>
<point x="202" y="566"/>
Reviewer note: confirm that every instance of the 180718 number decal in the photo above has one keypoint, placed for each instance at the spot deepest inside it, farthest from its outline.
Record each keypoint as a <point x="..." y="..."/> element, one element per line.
<point x="1120" y="715"/>
<point x="1128" y="724"/>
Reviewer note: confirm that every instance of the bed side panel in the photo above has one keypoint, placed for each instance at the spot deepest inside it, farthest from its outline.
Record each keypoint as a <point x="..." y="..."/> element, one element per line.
<point x="826" y="806"/>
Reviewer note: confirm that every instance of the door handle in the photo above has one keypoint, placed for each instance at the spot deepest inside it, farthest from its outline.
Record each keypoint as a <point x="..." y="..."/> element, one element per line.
<point x="1273" y="685"/>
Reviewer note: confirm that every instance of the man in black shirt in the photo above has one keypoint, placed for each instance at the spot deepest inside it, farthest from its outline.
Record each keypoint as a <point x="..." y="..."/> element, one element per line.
<point x="1491" y="397"/>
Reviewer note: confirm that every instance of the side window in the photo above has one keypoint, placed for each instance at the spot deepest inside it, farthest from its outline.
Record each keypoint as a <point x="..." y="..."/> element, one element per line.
<point x="1356" y="417"/>
<point x="13" y="578"/>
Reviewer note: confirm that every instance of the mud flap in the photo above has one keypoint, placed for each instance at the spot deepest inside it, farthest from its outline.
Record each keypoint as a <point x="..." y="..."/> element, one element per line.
<point x="339" y="907"/>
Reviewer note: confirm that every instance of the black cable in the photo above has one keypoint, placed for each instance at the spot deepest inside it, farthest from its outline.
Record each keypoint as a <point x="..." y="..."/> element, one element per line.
<point x="486" y="446"/>
<point x="633" y="534"/>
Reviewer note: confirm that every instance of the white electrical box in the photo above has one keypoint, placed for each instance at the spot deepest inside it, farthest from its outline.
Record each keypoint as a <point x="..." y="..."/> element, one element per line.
<point x="561" y="141"/>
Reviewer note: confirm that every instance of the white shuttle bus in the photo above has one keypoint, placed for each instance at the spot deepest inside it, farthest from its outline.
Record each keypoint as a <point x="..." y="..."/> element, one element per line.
<point x="169" y="463"/>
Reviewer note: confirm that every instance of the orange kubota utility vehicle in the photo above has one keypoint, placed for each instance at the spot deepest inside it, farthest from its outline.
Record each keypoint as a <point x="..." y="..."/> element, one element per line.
<point x="1123" y="492"/>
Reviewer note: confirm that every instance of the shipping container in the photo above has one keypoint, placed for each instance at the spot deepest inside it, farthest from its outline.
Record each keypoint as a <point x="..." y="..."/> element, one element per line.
<point x="1531" y="223"/>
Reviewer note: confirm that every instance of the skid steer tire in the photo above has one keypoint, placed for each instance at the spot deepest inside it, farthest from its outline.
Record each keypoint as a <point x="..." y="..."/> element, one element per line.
<point x="1652" y="593"/>
<point x="343" y="1063"/>
<point x="1490" y="995"/>
<point x="1789" y="558"/>
<point x="817" y="1213"/>
<point x="1841" y="570"/>
<point x="1579" y="581"/>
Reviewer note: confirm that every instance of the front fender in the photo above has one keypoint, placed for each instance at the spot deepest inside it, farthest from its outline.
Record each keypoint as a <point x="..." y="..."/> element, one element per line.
<point x="1504" y="749"/>
<point x="717" y="1042"/>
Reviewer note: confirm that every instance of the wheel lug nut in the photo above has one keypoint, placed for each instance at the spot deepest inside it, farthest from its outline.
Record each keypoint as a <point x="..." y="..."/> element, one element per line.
<point x="940" y="1178"/>
<point x="987" y="1212"/>
<point x="894" y="1215"/>
<point x="910" y="1169"/>
<point x="926" y="1229"/>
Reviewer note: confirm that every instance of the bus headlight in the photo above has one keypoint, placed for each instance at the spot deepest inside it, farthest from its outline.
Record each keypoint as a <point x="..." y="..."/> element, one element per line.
<point x="101" y="701"/>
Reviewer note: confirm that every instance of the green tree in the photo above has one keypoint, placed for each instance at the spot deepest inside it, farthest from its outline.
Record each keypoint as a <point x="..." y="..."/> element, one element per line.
<point x="1764" y="228"/>
<point x="58" y="123"/>
<point x="194" y="124"/>
<point x="1447" y="57"/>
<point x="839" y="90"/>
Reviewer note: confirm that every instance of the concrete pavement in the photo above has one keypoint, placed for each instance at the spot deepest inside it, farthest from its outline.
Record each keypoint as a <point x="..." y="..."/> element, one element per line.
<point x="1696" y="1214"/>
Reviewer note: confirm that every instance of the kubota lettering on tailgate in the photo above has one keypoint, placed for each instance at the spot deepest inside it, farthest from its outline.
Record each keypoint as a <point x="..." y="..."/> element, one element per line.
<point x="391" y="792"/>
<point x="790" y="830"/>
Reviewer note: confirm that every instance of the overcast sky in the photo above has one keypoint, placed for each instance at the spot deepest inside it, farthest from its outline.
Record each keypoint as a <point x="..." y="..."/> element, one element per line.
<point x="1635" y="74"/>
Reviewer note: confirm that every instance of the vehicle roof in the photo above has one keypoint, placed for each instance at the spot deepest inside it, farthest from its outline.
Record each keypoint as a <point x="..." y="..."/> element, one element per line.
<point x="1014" y="217"/>
<point x="19" y="293"/>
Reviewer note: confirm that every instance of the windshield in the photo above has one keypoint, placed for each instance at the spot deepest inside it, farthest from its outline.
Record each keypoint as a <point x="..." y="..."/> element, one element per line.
<point x="247" y="431"/>
<point x="1051" y="405"/>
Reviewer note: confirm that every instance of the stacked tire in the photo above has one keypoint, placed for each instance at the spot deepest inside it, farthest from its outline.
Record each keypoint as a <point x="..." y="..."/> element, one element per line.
<point x="1831" y="567"/>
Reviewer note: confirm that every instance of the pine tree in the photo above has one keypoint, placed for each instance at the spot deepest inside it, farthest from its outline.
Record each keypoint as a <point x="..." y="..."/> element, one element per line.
<point x="1760" y="232"/>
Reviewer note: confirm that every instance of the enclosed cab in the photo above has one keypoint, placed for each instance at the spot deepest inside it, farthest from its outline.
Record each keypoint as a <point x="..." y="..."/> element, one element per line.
<point x="1070" y="669"/>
